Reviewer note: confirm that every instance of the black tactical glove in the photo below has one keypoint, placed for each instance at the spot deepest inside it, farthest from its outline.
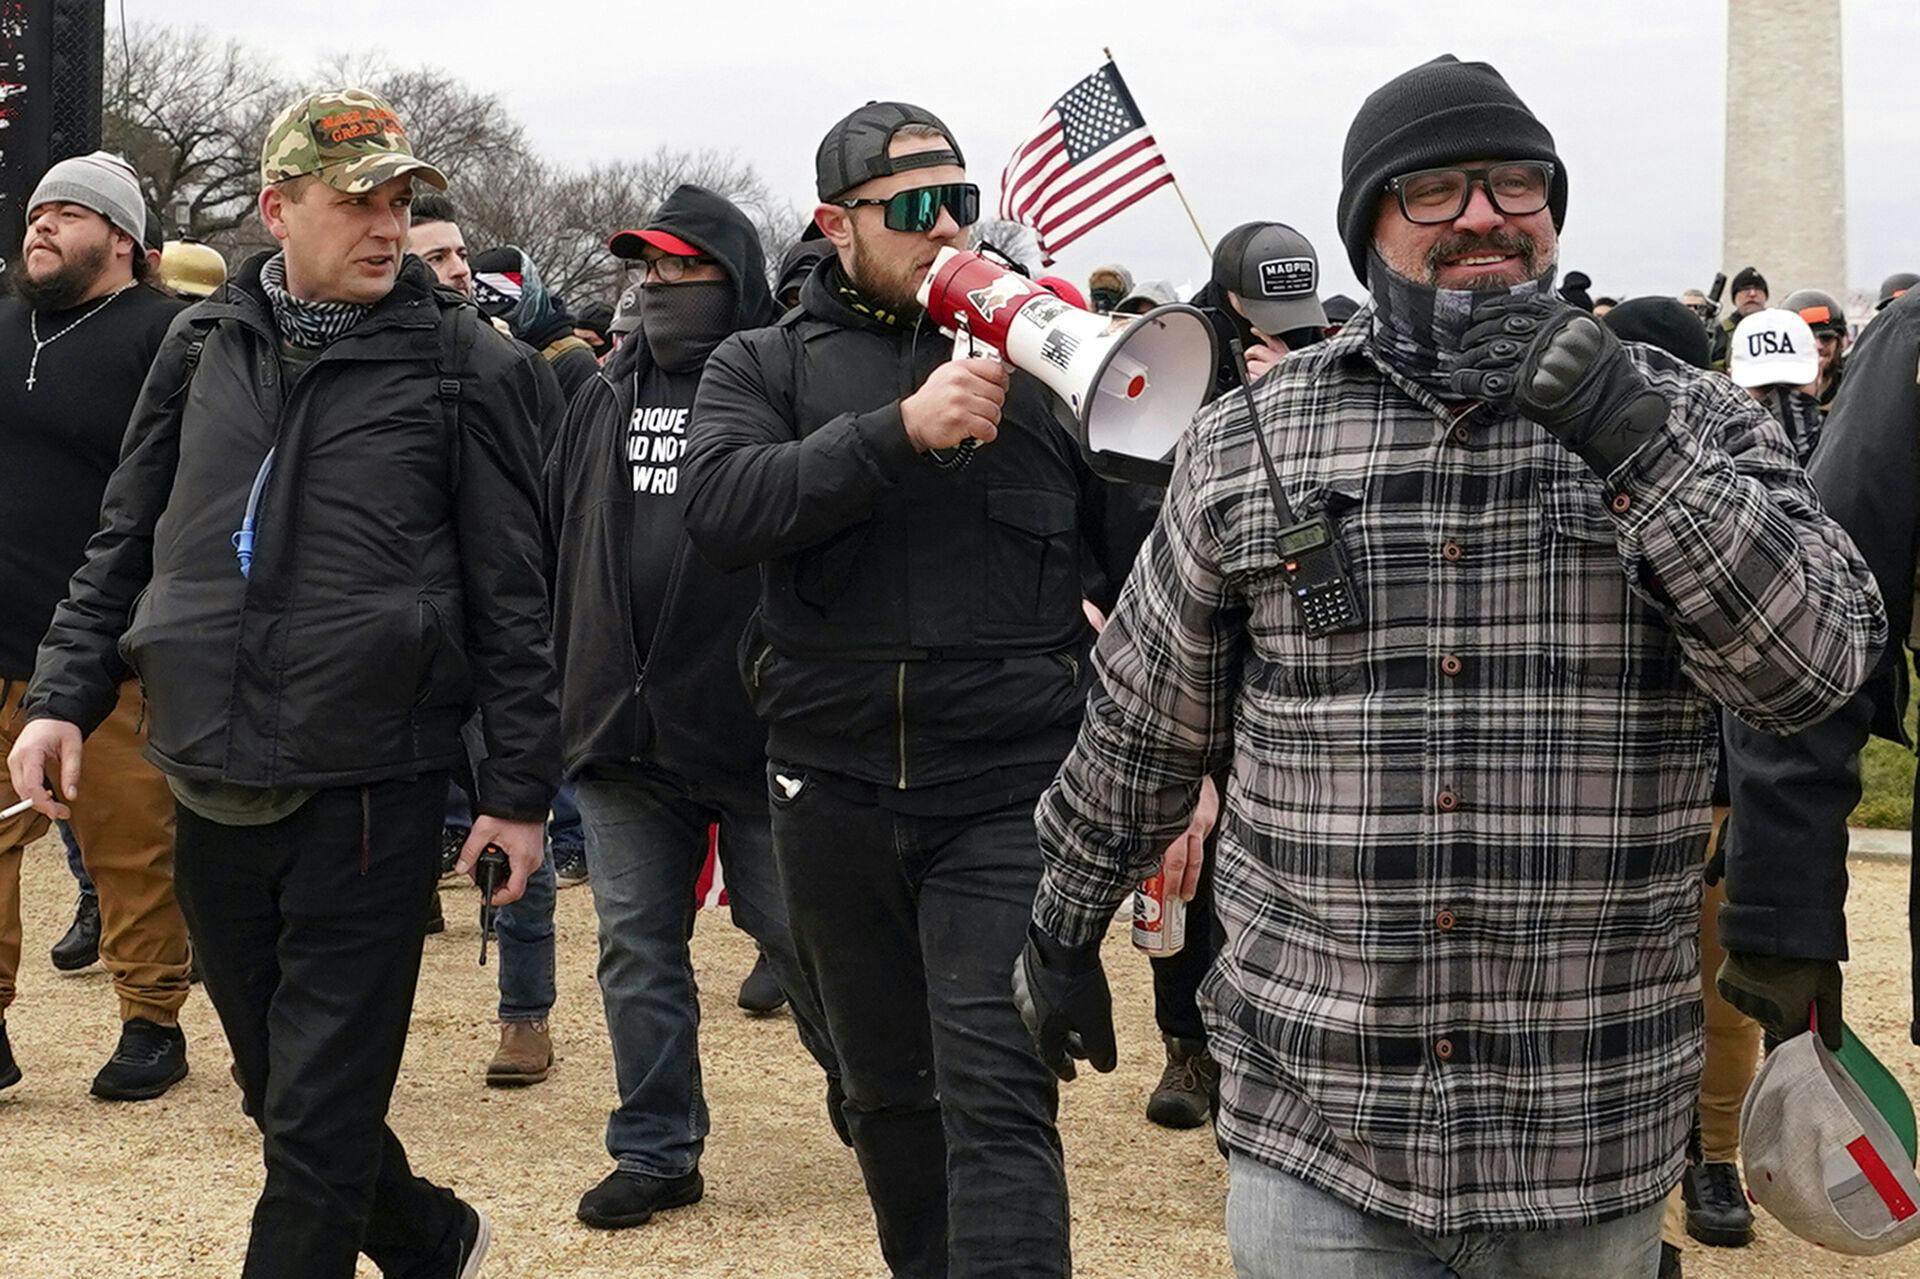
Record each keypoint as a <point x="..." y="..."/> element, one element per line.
<point x="1776" y="991"/>
<point x="1062" y="995"/>
<point x="1560" y="367"/>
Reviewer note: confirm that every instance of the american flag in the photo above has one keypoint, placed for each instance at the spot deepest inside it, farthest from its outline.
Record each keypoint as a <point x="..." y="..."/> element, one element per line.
<point x="1090" y="158"/>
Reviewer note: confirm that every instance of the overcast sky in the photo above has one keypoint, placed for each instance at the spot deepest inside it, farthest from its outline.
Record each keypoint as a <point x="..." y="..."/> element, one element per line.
<point x="1249" y="99"/>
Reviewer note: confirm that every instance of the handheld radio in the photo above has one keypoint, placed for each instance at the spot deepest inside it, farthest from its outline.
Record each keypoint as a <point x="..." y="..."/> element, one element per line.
<point x="1311" y="556"/>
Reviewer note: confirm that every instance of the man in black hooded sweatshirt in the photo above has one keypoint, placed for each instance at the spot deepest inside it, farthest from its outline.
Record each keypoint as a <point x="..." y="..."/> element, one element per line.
<point x="658" y="732"/>
<point x="919" y="656"/>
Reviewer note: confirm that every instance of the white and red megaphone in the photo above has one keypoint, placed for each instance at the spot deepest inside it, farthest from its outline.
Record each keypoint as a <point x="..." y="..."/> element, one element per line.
<point x="1126" y="386"/>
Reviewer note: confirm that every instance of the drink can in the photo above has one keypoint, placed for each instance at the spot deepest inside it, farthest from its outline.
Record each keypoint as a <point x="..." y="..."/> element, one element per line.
<point x="1159" y="918"/>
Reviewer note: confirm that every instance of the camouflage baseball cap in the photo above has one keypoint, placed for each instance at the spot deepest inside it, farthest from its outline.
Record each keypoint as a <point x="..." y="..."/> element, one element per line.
<point x="348" y="138"/>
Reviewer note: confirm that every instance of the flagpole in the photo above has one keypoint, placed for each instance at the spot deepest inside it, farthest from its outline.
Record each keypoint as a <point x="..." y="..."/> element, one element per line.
<point x="1206" y="245"/>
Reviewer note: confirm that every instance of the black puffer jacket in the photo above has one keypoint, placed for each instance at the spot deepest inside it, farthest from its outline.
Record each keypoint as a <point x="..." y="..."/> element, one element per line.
<point x="686" y="710"/>
<point x="917" y="627"/>
<point x="396" y="579"/>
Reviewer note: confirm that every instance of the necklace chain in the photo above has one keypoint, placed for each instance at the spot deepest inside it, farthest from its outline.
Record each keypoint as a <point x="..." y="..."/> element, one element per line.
<point x="33" y="327"/>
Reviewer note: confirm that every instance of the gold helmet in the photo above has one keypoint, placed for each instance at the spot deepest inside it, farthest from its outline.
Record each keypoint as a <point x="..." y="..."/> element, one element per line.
<point x="191" y="269"/>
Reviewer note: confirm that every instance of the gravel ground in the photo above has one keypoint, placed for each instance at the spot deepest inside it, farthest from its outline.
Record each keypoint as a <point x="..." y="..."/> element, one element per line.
<point x="164" y="1189"/>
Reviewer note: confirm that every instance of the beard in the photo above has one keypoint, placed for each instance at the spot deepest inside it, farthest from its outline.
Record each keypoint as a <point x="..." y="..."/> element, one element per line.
<point x="895" y="286"/>
<point x="1517" y="243"/>
<point x="79" y="270"/>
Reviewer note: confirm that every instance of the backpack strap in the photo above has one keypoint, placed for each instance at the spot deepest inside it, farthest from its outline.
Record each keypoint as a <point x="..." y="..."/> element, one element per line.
<point x="195" y="348"/>
<point x="452" y="368"/>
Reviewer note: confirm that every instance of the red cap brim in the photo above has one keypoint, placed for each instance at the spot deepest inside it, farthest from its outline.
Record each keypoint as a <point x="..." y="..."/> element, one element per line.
<point x="626" y="244"/>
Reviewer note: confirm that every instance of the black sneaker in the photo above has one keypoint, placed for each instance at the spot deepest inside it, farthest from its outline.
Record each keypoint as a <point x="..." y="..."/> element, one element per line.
<point x="151" y="1058"/>
<point x="80" y="947"/>
<point x="9" y="1068"/>
<point x="570" y="866"/>
<point x="624" y="1199"/>
<point x="760" y="993"/>
<point x="436" y="917"/>
<point x="1189" y="1087"/>
<point x="1669" y="1261"/>
<point x="476" y="1234"/>
<point x="1717" y="1212"/>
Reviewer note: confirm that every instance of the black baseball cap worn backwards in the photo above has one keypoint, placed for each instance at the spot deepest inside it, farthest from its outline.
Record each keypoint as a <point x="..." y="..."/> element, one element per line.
<point x="855" y="150"/>
<point x="1442" y="112"/>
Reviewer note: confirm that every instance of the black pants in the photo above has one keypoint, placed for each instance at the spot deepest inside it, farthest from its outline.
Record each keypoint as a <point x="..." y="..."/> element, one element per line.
<point x="308" y="932"/>
<point x="909" y="928"/>
<point x="1176" y="979"/>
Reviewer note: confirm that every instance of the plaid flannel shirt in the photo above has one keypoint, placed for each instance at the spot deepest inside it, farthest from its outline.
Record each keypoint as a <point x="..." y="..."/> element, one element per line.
<point x="1459" y="870"/>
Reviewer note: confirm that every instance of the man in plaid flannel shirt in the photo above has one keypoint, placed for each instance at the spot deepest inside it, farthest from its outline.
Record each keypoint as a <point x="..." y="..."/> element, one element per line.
<point x="1458" y="1009"/>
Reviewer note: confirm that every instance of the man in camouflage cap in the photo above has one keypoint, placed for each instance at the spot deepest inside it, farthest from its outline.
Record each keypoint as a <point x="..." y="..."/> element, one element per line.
<point x="348" y="138"/>
<point x="306" y="675"/>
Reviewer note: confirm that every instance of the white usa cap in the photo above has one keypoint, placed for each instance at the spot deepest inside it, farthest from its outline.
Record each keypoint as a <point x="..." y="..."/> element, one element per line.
<point x="1773" y="348"/>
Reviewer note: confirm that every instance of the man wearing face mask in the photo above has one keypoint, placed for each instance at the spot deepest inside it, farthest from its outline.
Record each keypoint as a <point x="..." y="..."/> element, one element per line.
<point x="657" y="730"/>
<point x="919" y="659"/>
<point x="1457" y="1011"/>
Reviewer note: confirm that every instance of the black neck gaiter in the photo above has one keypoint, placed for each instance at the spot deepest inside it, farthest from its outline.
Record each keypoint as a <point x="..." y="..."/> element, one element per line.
<point x="683" y="323"/>
<point x="1419" y="330"/>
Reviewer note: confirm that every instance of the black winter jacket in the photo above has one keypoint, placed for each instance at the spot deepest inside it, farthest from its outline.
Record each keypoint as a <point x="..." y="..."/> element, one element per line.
<point x="917" y="627"/>
<point x="396" y="580"/>
<point x="686" y="709"/>
<point x="1787" y="860"/>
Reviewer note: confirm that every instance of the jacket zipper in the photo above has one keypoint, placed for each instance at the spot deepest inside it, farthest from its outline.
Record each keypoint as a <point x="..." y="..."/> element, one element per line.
<point x="753" y="676"/>
<point x="900" y="719"/>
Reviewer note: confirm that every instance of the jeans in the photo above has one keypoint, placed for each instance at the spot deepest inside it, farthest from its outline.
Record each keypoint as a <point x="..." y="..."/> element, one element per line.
<point x="646" y="834"/>
<point x="909" y="928"/>
<point x="309" y="933"/>
<point x="75" y="866"/>
<point x="564" y="829"/>
<point x="1279" y="1227"/>
<point x="524" y="927"/>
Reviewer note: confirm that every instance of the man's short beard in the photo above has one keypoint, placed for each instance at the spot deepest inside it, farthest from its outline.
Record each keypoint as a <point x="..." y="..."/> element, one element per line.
<point x="900" y="297"/>
<point x="1517" y="242"/>
<point x="80" y="270"/>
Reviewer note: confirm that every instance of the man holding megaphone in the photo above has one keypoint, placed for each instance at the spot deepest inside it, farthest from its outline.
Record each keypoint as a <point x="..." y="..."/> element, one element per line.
<point x="920" y="659"/>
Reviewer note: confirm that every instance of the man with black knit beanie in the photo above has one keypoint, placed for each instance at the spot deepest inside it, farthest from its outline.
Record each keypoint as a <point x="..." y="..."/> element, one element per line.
<point x="320" y="553"/>
<point x="1453" y="606"/>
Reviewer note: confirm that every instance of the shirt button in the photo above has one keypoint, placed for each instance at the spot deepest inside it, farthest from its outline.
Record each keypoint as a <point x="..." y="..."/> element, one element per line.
<point x="1444" y="1050"/>
<point x="1451" y="551"/>
<point x="1620" y="503"/>
<point x="1447" y="801"/>
<point x="1461" y="435"/>
<point x="1450" y="665"/>
<point x="1443" y="921"/>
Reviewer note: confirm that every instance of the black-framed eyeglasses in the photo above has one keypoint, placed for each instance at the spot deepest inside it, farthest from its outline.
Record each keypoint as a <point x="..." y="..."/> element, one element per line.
<point x="917" y="209"/>
<point x="671" y="268"/>
<point x="1440" y="195"/>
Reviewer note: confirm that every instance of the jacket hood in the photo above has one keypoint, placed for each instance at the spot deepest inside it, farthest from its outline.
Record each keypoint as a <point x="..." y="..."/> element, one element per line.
<point x="507" y="285"/>
<point x="716" y="226"/>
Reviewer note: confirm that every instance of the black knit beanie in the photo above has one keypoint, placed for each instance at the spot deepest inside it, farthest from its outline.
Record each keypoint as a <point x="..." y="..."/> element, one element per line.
<point x="1442" y="112"/>
<point x="1748" y="278"/>
<point x="1663" y="322"/>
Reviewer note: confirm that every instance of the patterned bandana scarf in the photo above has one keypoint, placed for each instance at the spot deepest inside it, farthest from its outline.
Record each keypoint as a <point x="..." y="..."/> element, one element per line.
<point x="303" y="323"/>
<point x="1419" y="330"/>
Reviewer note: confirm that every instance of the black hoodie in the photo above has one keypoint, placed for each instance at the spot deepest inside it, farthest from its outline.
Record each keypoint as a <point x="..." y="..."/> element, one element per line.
<point x="646" y="645"/>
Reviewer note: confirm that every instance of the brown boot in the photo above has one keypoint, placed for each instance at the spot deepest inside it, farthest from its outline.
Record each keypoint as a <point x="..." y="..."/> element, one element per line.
<point x="525" y="1056"/>
<point x="1189" y="1086"/>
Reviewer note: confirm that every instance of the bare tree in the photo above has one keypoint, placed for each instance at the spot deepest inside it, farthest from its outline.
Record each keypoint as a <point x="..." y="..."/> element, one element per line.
<point x="1016" y="240"/>
<point x="190" y="114"/>
<point x="460" y="129"/>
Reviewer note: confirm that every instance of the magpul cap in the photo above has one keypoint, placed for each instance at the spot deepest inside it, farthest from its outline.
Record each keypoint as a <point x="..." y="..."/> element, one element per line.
<point x="1274" y="272"/>
<point x="348" y="138"/>
<point x="855" y="150"/>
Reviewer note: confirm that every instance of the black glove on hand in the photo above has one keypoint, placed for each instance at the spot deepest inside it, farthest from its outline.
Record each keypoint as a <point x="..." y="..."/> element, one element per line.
<point x="1062" y="995"/>
<point x="1560" y="367"/>
<point x="1776" y="991"/>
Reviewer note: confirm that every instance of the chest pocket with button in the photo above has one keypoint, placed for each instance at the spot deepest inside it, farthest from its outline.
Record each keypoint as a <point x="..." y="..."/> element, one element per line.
<point x="1596" y="632"/>
<point x="1033" y="554"/>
